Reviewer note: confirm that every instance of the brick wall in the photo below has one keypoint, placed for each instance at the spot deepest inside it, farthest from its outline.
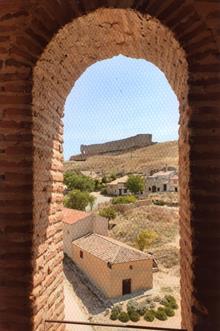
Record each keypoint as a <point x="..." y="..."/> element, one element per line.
<point x="31" y="139"/>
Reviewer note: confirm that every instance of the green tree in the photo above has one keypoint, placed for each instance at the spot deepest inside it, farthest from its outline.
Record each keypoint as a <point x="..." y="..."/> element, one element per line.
<point x="74" y="181"/>
<point x="135" y="184"/>
<point x="145" y="238"/>
<point x="108" y="212"/>
<point x="79" y="200"/>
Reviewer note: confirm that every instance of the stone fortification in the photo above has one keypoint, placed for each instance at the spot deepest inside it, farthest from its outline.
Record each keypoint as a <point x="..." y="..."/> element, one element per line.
<point x="140" y="140"/>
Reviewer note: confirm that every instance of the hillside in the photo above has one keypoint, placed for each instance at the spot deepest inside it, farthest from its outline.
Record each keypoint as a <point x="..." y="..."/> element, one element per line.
<point x="141" y="160"/>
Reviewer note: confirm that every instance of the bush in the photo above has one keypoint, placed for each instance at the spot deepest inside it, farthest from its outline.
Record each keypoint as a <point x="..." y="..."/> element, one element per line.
<point x="157" y="298"/>
<point x="132" y="306"/>
<point x="108" y="212"/>
<point x="143" y="307"/>
<point x="134" y="316"/>
<point x="160" y="314"/>
<point x="169" y="311"/>
<point x="170" y="298"/>
<point x="123" y="317"/>
<point x="169" y="301"/>
<point x="114" y="315"/>
<point x="172" y="305"/>
<point x="74" y="181"/>
<point x="149" y="316"/>
<point x="152" y="305"/>
<point x="78" y="200"/>
<point x="158" y="202"/>
<point x="117" y="309"/>
<point x="145" y="238"/>
<point x="124" y="199"/>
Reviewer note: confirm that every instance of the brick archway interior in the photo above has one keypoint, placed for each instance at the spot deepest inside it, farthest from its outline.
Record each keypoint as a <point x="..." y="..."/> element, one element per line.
<point x="26" y="28"/>
<point x="96" y="36"/>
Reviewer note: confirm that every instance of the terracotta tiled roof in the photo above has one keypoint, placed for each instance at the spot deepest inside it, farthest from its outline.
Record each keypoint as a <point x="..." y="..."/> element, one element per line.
<point x="71" y="216"/>
<point x="109" y="250"/>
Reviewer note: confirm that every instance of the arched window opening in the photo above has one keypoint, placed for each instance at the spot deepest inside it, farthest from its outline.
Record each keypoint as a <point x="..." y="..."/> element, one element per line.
<point x="121" y="172"/>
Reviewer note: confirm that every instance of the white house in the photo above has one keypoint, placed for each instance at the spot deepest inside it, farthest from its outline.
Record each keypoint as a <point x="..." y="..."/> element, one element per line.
<point x="162" y="181"/>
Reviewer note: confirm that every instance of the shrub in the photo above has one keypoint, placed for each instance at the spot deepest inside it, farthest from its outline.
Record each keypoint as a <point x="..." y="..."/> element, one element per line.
<point x="160" y="314"/>
<point x="108" y="212"/>
<point x="74" y="181"/>
<point x="152" y="305"/>
<point x="169" y="301"/>
<point x="170" y="298"/>
<point x="149" y="316"/>
<point x="143" y="307"/>
<point x="169" y="311"/>
<point x="172" y="305"/>
<point x="157" y="298"/>
<point x="123" y="317"/>
<point x="145" y="238"/>
<point x="78" y="200"/>
<point x="114" y="315"/>
<point x="134" y="316"/>
<point x="132" y="306"/>
<point x="126" y="199"/>
<point x="116" y="310"/>
<point x="163" y="302"/>
<point x="158" y="202"/>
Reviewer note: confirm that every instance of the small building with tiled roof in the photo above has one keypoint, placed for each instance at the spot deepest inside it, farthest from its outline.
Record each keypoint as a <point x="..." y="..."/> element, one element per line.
<point x="118" y="186"/>
<point x="113" y="267"/>
<point x="77" y="223"/>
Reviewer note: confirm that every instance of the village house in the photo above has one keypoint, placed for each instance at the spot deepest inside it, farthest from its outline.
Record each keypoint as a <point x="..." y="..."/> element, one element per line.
<point x="77" y="223"/>
<point x="118" y="187"/>
<point x="113" y="267"/>
<point x="162" y="181"/>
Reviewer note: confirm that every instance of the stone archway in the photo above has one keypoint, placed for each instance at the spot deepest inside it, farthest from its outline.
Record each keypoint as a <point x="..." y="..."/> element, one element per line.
<point x="26" y="27"/>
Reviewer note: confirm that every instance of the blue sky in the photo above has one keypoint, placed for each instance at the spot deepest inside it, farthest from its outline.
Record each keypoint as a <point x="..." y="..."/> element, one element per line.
<point x="118" y="98"/>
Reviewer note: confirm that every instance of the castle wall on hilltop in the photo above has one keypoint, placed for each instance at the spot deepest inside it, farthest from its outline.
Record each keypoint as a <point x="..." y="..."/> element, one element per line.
<point x="140" y="140"/>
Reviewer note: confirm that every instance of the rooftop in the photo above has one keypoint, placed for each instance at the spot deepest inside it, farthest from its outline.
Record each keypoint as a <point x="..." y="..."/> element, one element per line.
<point x="162" y="173"/>
<point x="119" y="180"/>
<point x="109" y="250"/>
<point x="71" y="216"/>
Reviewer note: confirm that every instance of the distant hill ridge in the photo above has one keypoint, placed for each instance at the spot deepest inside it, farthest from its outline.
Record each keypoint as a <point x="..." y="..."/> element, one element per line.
<point x="116" y="146"/>
<point x="141" y="160"/>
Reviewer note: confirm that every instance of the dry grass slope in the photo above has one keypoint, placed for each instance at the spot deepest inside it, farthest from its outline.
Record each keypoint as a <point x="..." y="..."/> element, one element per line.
<point x="140" y="160"/>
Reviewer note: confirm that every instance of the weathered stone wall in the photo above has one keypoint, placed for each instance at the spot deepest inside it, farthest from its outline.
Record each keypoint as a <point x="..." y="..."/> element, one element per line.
<point x="26" y="27"/>
<point x="140" y="140"/>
